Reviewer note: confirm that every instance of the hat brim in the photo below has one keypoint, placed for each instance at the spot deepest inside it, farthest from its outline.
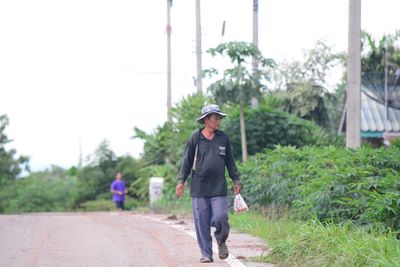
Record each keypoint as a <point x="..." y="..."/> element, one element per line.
<point x="201" y="118"/>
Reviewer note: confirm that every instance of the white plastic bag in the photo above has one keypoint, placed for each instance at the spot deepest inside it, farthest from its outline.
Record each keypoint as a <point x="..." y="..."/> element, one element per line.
<point x="239" y="206"/>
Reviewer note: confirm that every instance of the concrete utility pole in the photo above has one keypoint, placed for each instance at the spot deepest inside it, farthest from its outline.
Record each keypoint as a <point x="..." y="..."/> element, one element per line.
<point x="199" y="80"/>
<point x="254" y="101"/>
<point x="353" y="118"/>
<point x="80" y="154"/>
<point x="168" y="29"/>
<point x="386" y="91"/>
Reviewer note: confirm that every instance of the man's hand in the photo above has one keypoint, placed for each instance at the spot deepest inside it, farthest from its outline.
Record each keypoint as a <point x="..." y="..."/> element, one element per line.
<point x="236" y="188"/>
<point x="180" y="188"/>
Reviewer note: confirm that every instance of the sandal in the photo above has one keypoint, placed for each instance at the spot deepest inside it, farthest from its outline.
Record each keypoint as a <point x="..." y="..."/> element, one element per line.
<point x="206" y="260"/>
<point x="223" y="252"/>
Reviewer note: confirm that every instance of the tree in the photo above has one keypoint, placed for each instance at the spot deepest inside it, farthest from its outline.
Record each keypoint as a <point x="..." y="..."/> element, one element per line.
<point x="268" y="128"/>
<point x="158" y="147"/>
<point x="302" y="86"/>
<point x="105" y="158"/>
<point x="314" y="69"/>
<point x="94" y="179"/>
<point x="167" y="143"/>
<point x="380" y="65"/>
<point x="239" y="84"/>
<point x="10" y="165"/>
<point x="373" y="52"/>
<point x="310" y="102"/>
<point x="43" y="191"/>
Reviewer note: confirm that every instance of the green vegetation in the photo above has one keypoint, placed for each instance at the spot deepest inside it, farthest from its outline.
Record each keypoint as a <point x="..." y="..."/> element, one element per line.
<point x="171" y="204"/>
<point x="299" y="243"/>
<point x="239" y="84"/>
<point x="10" y="165"/>
<point x="373" y="52"/>
<point x="269" y="127"/>
<point x="329" y="184"/>
<point x="107" y="205"/>
<point x="84" y="188"/>
<point x="315" y="202"/>
<point x="302" y="88"/>
<point x="44" y="191"/>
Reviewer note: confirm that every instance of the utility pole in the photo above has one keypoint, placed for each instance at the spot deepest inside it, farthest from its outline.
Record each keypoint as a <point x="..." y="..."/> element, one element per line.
<point x="168" y="29"/>
<point x="386" y="90"/>
<point x="80" y="154"/>
<point x="199" y="80"/>
<point x="353" y="118"/>
<point x="254" y="100"/>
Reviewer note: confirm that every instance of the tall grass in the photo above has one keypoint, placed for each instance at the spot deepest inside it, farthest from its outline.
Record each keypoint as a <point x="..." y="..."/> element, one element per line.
<point x="296" y="243"/>
<point x="171" y="204"/>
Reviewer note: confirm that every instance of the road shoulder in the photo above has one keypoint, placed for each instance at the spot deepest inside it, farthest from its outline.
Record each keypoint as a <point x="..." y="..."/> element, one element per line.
<point x="244" y="247"/>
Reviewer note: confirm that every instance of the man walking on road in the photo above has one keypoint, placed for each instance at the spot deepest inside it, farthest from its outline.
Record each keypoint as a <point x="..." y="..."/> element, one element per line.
<point x="208" y="152"/>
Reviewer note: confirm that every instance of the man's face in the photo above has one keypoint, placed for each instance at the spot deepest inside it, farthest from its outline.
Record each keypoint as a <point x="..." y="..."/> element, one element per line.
<point x="118" y="176"/>
<point x="213" y="121"/>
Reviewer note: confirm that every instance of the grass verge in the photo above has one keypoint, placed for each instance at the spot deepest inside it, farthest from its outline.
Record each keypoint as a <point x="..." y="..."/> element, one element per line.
<point x="299" y="243"/>
<point x="296" y="243"/>
<point x="171" y="204"/>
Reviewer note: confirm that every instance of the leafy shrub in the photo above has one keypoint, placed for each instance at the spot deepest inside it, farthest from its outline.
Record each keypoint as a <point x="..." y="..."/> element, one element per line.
<point x="396" y="142"/>
<point x="328" y="183"/>
<point x="266" y="128"/>
<point x="38" y="193"/>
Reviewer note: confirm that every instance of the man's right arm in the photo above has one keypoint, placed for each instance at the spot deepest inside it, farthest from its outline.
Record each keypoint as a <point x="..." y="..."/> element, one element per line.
<point x="186" y="167"/>
<point x="187" y="160"/>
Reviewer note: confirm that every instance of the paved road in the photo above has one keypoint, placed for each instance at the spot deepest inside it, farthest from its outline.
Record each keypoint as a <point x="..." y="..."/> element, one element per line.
<point x="108" y="239"/>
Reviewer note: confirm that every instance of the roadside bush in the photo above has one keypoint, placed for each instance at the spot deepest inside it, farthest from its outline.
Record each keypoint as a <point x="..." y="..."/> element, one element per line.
<point x="327" y="183"/>
<point x="266" y="128"/>
<point x="38" y="193"/>
<point x="396" y="142"/>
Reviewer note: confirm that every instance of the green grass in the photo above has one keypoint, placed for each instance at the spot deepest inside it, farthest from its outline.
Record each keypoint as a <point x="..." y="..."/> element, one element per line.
<point x="299" y="243"/>
<point x="296" y="243"/>
<point x="171" y="204"/>
<point x="107" y="205"/>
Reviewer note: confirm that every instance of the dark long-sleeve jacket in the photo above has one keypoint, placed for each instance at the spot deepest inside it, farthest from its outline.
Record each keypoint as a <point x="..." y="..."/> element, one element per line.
<point x="208" y="178"/>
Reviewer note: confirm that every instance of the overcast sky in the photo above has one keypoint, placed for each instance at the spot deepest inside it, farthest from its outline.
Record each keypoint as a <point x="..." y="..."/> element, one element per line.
<point x="80" y="71"/>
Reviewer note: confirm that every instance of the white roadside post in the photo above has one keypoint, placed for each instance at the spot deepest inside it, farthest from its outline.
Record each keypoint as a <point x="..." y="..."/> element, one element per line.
<point x="155" y="188"/>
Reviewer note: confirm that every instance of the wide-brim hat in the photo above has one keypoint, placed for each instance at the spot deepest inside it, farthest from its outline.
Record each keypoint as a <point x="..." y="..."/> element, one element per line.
<point x="209" y="109"/>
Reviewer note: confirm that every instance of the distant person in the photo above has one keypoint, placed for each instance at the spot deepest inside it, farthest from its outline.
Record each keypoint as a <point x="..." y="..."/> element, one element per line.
<point x="119" y="191"/>
<point x="208" y="152"/>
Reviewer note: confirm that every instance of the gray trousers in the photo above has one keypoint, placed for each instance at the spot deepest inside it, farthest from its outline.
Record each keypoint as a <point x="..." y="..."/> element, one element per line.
<point x="210" y="212"/>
